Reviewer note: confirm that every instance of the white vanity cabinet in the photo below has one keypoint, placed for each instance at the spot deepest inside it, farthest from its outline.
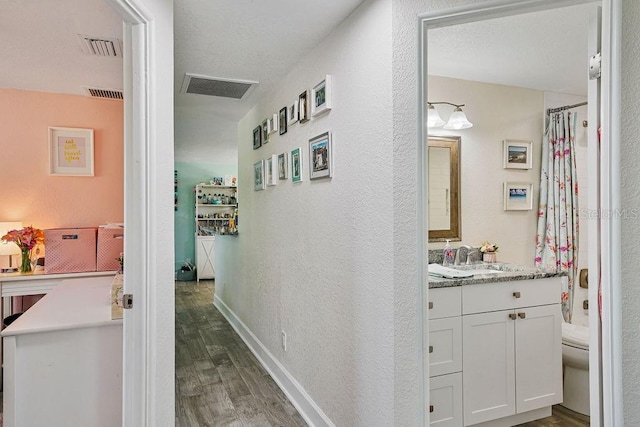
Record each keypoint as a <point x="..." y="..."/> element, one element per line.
<point x="512" y="348"/>
<point x="445" y="357"/>
<point x="495" y="352"/>
<point x="205" y="255"/>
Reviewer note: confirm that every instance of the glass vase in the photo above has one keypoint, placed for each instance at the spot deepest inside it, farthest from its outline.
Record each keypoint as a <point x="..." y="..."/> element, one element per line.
<point x="25" y="264"/>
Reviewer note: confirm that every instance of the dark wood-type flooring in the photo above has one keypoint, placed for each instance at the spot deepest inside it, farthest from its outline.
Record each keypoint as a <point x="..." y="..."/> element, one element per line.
<point x="219" y="382"/>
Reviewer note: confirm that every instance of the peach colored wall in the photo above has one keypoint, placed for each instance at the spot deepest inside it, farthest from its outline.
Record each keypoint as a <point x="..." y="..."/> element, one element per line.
<point x="27" y="192"/>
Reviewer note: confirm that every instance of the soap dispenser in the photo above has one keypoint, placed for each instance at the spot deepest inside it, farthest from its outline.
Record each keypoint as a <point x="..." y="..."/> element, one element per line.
<point x="448" y="254"/>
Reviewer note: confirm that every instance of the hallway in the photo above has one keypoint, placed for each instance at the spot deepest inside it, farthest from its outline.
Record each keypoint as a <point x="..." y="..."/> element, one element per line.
<point x="218" y="380"/>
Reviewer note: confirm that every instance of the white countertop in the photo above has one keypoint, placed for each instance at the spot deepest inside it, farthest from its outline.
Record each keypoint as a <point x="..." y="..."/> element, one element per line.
<point x="77" y="303"/>
<point x="39" y="275"/>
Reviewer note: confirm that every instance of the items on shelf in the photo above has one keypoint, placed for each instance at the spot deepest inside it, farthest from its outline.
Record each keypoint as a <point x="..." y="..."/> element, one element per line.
<point x="216" y="208"/>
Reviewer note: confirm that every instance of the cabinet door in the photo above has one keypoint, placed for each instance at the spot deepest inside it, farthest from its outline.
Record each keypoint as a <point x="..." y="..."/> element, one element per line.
<point x="488" y="366"/>
<point x="204" y="257"/>
<point x="445" y="346"/>
<point x="538" y="342"/>
<point x="445" y="393"/>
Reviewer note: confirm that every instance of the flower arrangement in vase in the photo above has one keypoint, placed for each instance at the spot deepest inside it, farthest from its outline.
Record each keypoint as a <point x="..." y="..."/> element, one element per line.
<point x="26" y="239"/>
<point x="489" y="250"/>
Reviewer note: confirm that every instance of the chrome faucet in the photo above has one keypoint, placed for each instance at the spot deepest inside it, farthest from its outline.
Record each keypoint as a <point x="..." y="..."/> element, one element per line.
<point x="457" y="258"/>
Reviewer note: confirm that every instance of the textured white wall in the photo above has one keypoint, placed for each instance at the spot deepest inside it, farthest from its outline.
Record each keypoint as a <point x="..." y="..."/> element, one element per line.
<point x="497" y="113"/>
<point x="630" y="201"/>
<point x="202" y="136"/>
<point x="315" y="258"/>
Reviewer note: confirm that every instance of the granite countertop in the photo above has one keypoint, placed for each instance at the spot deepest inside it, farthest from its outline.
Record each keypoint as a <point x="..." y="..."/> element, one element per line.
<point x="504" y="273"/>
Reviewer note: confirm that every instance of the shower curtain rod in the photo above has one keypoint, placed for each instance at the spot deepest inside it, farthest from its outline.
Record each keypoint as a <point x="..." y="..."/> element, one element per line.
<point x="566" y="107"/>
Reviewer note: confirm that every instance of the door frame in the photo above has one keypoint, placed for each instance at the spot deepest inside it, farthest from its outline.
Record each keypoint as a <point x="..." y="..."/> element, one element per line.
<point x="148" y="328"/>
<point x="608" y="386"/>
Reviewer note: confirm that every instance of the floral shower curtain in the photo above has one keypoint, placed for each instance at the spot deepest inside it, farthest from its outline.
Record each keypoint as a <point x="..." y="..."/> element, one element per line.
<point x="557" y="236"/>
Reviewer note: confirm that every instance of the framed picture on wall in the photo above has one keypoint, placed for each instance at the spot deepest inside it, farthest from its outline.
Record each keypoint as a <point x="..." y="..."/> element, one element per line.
<point x="518" y="196"/>
<point x="70" y="151"/>
<point x="320" y="161"/>
<point x="257" y="137"/>
<point x="283" y="120"/>
<point x="258" y="176"/>
<point x="304" y="111"/>
<point x="270" y="165"/>
<point x="272" y="124"/>
<point x="517" y="154"/>
<point x="265" y="131"/>
<point x="283" y="166"/>
<point x="296" y="165"/>
<point x="292" y="113"/>
<point x="321" y="96"/>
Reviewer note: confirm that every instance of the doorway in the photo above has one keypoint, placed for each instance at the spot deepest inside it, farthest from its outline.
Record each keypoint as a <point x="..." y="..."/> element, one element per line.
<point x="604" y="408"/>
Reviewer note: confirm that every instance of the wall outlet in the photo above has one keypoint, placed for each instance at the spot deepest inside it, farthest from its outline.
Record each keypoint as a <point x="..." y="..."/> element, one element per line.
<point x="284" y="340"/>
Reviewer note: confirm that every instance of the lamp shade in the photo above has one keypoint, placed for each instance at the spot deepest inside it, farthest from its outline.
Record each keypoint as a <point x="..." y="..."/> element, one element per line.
<point x="458" y="120"/>
<point x="9" y="248"/>
<point x="433" y="118"/>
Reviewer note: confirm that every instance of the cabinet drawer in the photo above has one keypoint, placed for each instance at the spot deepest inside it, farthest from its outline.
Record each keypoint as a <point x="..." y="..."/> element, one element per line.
<point x="445" y="346"/>
<point x="510" y="295"/>
<point x="444" y="302"/>
<point x="445" y="406"/>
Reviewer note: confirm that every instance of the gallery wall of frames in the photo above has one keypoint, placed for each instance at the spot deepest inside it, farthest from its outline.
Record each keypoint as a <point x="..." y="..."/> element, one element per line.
<point x="310" y="104"/>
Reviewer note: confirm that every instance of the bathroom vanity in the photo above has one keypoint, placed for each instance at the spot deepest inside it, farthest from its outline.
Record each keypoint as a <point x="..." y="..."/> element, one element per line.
<point x="495" y="347"/>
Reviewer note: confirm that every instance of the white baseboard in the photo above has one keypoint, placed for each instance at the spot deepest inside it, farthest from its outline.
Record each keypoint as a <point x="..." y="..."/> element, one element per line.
<point x="308" y="409"/>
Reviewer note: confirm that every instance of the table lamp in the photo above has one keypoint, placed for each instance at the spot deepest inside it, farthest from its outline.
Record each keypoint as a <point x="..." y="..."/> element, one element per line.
<point x="9" y="248"/>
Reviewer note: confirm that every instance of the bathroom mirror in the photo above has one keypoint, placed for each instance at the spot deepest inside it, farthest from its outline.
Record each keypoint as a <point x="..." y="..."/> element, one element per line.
<point x="444" y="188"/>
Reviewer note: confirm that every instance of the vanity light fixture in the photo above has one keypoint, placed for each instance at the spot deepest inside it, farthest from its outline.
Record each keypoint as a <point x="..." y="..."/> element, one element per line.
<point x="457" y="120"/>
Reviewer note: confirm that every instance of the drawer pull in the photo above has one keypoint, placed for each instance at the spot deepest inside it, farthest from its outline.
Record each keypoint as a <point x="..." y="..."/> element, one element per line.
<point x="522" y="315"/>
<point x="512" y="316"/>
<point x="431" y="409"/>
<point x="516" y="294"/>
<point x="430" y="305"/>
<point x="430" y="349"/>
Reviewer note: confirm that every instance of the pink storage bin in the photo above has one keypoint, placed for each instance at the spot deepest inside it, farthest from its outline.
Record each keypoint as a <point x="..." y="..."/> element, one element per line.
<point x="70" y="250"/>
<point x="110" y="245"/>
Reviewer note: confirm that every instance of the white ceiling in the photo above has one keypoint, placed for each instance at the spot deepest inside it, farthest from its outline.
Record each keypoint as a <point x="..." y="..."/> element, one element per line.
<point x="261" y="41"/>
<point x="543" y="50"/>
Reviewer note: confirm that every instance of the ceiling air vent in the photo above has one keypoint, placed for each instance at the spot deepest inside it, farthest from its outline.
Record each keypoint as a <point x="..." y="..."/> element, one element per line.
<point x="214" y="86"/>
<point x="95" y="92"/>
<point x="100" y="46"/>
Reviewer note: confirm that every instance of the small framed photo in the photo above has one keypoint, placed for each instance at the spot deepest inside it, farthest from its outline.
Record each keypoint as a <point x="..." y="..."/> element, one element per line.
<point x="71" y="151"/>
<point x="320" y="161"/>
<point x="304" y="107"/>
<point x="296" y="165"/>
<point x="272" y="124"/>
<point x="518" y="196"/>
<point x="257" y="137"/>
<point x="283" y="120"/>
<point x="283" y="166"/>
<point x="270" y="170"/>
<point x="265" y="131"/>
<point x="292" y="113"/>
<point x="321" y="96"/>
<point x="258" y="176"/>
<point x="517" y="154"/>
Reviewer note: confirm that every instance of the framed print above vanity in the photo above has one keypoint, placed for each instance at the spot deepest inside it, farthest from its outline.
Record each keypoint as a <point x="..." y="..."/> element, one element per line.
<point x="444" y="188"/>
<point x="517" y="154"/>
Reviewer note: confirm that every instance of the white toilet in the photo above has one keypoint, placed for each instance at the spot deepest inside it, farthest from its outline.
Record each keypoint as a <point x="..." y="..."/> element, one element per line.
<point x="575" y="363"/>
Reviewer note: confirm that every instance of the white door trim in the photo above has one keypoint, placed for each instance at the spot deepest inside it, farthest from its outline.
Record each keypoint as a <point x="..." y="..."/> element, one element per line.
<point x="611" y="350"/>
<point x="148" y="359"/>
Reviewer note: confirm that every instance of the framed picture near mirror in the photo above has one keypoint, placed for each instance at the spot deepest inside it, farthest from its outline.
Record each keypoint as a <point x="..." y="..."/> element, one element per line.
<point x="517" y="154"/>
<point x="518" y="196"/>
